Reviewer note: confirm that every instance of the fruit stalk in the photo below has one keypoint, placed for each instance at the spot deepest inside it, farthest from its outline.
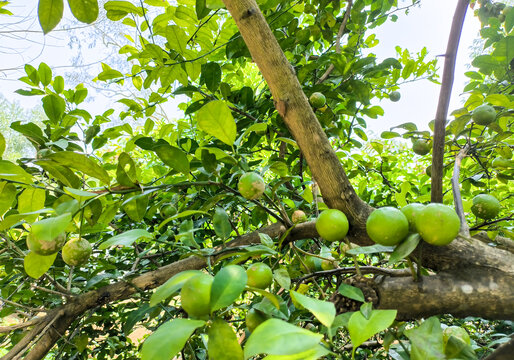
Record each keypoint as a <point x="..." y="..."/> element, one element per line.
<point x="457" y="198"/>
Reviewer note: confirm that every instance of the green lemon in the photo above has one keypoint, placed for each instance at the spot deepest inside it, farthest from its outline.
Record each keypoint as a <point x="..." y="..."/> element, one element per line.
<point x="485" y="206"/>
<point x="76" y="252"/>
<point x="395" y="96"/>
<point x="196" y="295"/>
<point x="251" y="186"/>
<point x="167" y="210"/>
<point x="317" y="100"/>
<point x="387" y="226"/>
<point x="410" y="211"/>
<point x="421" y="147"/>
<point x="45" y="246"/>
<point x="438" y="224"/>
<point x="254" y="318"/>
<point x="259" y="275"/>
<point x="332" y="225"/>
<point x="484" y="115"/>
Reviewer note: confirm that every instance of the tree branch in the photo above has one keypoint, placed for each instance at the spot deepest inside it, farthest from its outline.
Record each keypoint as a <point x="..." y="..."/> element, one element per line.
<point x="444" y="101"/>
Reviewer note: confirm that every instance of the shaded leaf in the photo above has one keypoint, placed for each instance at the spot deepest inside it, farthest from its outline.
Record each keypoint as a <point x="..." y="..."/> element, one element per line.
<point x="324" y="311"/>
<point x="36" y="265"/>
<point x="126" y="239"/>
<point x="222" y="343"/>
<point x="227" y="286"/>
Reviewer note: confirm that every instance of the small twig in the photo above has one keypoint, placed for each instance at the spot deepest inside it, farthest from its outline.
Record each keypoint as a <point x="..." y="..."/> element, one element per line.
<point x="22" y="306"/>
<point x="457" y="199"/>
<point x="66" y="294"/>
<point x="338" y="42"/>
<point x="70" y="278"/>
<point x="57" y="285"/>
<point x="34" y="321"/>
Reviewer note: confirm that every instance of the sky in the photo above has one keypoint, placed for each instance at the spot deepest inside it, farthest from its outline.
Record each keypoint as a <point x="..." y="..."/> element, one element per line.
<point x="428" y="25"/>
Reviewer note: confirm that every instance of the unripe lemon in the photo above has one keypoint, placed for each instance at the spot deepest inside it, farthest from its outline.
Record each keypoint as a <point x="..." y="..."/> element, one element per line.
<point x="254" y="318"/>
<point x="298" y="217"/>
<point x="317" y="100"/>
<point x="196" y="295"/>
<point x="251" y="186"/>
<point x="387" y="226"/>
<point x="395" y="96"/>
<point x="484" y="115"/>
<point x="45" y="246"/>
<point x="410" y="211"/>
<point x="259" y="275"/>
<point x="167" y="210"/>
<point x="485" y="206"/>
<point x="421" y="147"/>
<point x="332" y="225"/>
<point x="438" y="224"/>
<point x="76" y="252"/>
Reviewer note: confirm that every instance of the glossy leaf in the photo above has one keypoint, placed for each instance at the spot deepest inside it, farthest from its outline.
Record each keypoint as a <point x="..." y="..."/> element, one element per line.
<point x="37" y="265"/>
<point x="361" y="329"/>
<point x="49" y="14"/>
<point x="169" y="339"/>
<point x="171" y="286"/>
<point x="211" y="76"/>
<point x="324" y="311"/>
<point x="50" y="228"/>
<point x="31" y="199"/>
<point x="351" y="292"/>
<point x="126" y="239"/>
<point x="426" y="340"/>
<point x="222" y="343"/>
<point x="405" y="248"/>
<point x="7" y="196"/>
<point x="126" y="170"/>
<point x="85" y="11"/>
<point x="81" y="163"/>
<point x="221" y="223"/>
<point x="10" y="171"/>
<point x="45" y="74"/>
<point x="227" y="286"/>
<point x="216" y="119"/>
<point x="277" y="337"/>
<point x="54" y="107"/>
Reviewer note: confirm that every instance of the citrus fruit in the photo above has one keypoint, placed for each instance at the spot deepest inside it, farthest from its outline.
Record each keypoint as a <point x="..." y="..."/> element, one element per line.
<point x="259" y="275"/>
<point x="332" y="225"/>
<point x="43" y="246"/>
<point x="387" y="226"/>
<point x="428" y="170"/>
<point x="317" y="100"/>
<point x="437" y="224"/>
<point x="196" y="295"/>
<point x="421" y="147"/>
<point x="395" y="96"/>
<point x="457" y="332"/>
<point x="298" y="217"/>
<point x="251" y="186"/>
<point x="254" y="318"/>
<point x="410" y="211"/>
<point x="485" y="206"/>
<point x="484" y="115"/>
<point x="76" y="251"/>
<point x="167" y="210"/>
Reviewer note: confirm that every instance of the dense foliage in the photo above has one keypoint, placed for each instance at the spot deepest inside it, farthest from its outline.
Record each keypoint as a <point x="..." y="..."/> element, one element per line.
<point x="151" y="191"/>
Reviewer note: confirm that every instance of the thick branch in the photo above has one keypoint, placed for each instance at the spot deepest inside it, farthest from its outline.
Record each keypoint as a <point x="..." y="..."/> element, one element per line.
<point x="444" y="100"/>
<point x="293" y="106"/>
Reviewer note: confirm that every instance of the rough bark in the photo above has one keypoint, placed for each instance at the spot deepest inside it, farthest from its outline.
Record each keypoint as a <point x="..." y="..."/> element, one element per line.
<point x="444" y="101"/>
<point x="293" y="106"/>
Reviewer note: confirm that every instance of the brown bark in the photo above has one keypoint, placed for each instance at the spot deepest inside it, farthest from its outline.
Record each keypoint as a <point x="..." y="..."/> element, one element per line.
<point x="444" y="101"/>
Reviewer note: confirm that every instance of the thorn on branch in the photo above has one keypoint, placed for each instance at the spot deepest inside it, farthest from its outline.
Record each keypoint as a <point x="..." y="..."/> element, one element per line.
<point x="248" y="13"/>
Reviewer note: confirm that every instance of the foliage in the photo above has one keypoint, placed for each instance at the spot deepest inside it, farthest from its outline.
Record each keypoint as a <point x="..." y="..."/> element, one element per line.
<point x="111" y="180"/>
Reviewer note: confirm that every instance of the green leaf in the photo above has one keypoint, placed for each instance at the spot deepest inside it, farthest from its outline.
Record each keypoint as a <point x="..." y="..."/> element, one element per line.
<point x="457" y="349"/>
<point x="117" y="10"/>
<point x="201" y="9"/>
<point x="10" y="171"/>
<point x="282" y="277"/>
<point x="45" y="74"/>
<point x="36" y="265"/>
<point x="60" y="173"/>
<point x="135" y="207"/>
<point x="178" y="216"/>
<point x="426" y="340"/>
<point x="7" y="196"/>
<point x="324" y="311"/>
<point x="177" y="38"/>
<point x="211" y="76"/>
<point x="54" y="107"/>
<point x="170" y="155"/>
<point x="81" y="163"/>
<point x="361" y="329"/>
<point x="58" y="84"/>
<point x="85" y="11"/>
<point x="49" y="228"/>
<point x="169" y="339"/>
<point x="126" y="177"/>
<point x="222" y="343"/>
<point x="317" y="352"/>
<point x="221" y="223"/>
<point x="31" y="199"/>
<point x="227" y="286"/>
<point x="31" y="131"/>
<point x="49" y="14"/>
<point x="389" y="135"/>
<point x="126" y="239"/>
<point x="80" y="195"/>
<point x="405" y="248"/>
<point x="351" y="292"/>
<point x="171" y="286"/>
<point x="216" y="119"/>
<point x="277" y="337"/>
